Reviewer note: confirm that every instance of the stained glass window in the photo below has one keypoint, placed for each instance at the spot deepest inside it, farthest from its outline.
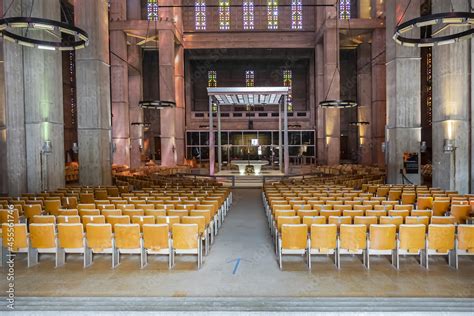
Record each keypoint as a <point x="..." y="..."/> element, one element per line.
<point x="288" y="82"/>
<point x="272" y="14"/>
<point x="212" y="78"/>
<point x="248" y="11"/>
<point x="152" y="10"/>
<point x="200" y="14"/>
<point x="224" y="14"/>
<point x="345" y="9"/>
<point x="296" y="14"/>
<point x="249" y="78"/>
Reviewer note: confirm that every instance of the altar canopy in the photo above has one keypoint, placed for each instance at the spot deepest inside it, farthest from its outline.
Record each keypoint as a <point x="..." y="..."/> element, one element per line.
<point x="248" y="96"/>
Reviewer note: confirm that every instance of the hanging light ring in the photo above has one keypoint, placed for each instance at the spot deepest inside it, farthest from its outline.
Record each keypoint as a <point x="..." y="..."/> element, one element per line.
<point x="337" y="104"/>
<point x="81" y="38"/>
<point x="440" y="19"/>
<point x="156" y="104"/>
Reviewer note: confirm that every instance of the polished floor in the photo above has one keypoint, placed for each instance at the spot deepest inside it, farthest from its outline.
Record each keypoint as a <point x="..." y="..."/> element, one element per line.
<point x="245" y="237"/>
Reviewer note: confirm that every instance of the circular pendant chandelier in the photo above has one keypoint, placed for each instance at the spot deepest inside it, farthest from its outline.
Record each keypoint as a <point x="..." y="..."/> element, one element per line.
<point x="79" y="38"/>
<point x="359" y="123"/>
<point x="156" y="104"/>
<point x="440" y="20"/>
<point x="338" y="104"/>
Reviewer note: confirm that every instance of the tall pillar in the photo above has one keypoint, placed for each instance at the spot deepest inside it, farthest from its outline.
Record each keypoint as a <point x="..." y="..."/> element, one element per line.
<point x="403" y="93"/>
<point x="3" y="123"/>
<point x="332" y="117"/>
<point x="135" y="95"/>
<point x="93" y="93"/>
<point x="379" y="102"/>
<point x="33" y="109"/>
<point x="451" y="106"/>
<point x="320" y="96"/>
<point x="167" y="93"/>
<point x="180" y="105"/>
<point x="364" y="99"/>
<point x="119" y="86"/>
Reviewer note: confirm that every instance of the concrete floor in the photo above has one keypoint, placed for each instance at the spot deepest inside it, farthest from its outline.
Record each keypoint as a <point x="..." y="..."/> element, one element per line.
<point x="244" y="235"/>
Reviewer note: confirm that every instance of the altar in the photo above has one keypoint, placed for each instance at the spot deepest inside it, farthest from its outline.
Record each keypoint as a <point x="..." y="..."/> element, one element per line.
<point x="256" y="165"/>
<point x="248" y="97"/>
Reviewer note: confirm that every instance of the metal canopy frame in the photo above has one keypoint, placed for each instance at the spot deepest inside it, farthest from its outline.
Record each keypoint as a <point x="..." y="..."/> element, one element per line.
<point x="249" y="96"/>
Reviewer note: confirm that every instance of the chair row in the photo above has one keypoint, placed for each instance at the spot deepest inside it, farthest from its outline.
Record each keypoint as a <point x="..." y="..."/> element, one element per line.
<point x="381" y="239"/>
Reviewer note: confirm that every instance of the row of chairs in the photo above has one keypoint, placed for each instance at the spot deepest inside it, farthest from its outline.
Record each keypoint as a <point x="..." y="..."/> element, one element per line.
<point x="71" y="238"/>
<point x="382" y="239"/>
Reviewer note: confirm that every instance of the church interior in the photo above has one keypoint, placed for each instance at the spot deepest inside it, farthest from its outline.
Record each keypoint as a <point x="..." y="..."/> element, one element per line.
<point x="237" y="157"/>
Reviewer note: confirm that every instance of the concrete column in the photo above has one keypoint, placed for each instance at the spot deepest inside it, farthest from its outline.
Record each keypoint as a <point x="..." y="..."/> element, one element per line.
<point x="93" y="93"/>
<point x="33" y="109"/>
<point x="320" y="96"/>
<point x="451" y="106"/>
<point x="403" y="93"/>
<point x="180" y="116"/>
<point x="379" y="102"/>
<point x="119" y="86"/>
<point x="332" y="117"/>
<point x="364" y="99"/>
<point x="135" y="95"/>
<point x="167" y="93"/>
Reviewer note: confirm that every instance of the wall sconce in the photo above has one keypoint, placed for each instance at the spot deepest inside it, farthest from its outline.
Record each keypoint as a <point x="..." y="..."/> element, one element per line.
<point x="449" y="146"/>
<point x="47" y="147"/>
<point x="423" y="147"/>
<point x="383" y="146"/>
<point x="114" y="147"/>
<point x="140" y="144"/>
<point x="75" y="148"/>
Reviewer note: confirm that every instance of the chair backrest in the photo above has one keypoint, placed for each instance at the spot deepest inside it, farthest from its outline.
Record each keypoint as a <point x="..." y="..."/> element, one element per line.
<point x="101" y="207"/>
<point x="440" y="207"/>
<point x="44" y="219"/>
<point x="88" y="212"/>
<point x="353" y="213"/>
<point x="376" y="213"/>
<point x="327" y="213"/>
<point x="408" y="198"/>
<point x="396" y="220"/>
<point x="294" y="236"/>
<point x="155" y="212"/>
<point x="383" y="207"/>
<point x="403" y="207"/>
<point x="9" y="216"/>
<point x="366" y="220"/>
<point x="155" y="236"/>
<point x="287" y="220"/>
<point x="205" y="213"/>
<point x="338" y="220"/>
<point x="412" y="237"/>
<point x="127" y="236"/>
<point x="402" y="213"/>
<point x="86" y="198"/>
<point x="111" y="212"/>
<point x="52" y="206"/>
<point x="323" y="236"/>
<point x="343" y="207"/>
<point x="42" y="236"/>
<point x="199" y="220"/>
<point x="309" y="220"/>
<point x="427" y="213"/>
<point x="96" y="219"/>
<point x="425" y="220"/>
<point x="86" y="206"/>
<point x="145" y="207"/>
<point x="460" y="212"/>
<point x="424" y="203"/>
<point x="383" y="237"/>
<point x="284" y="213"/>
<point x="466" y="238"/>
<point x="443" y="219"/>
<point x="185" y="236"/>
<point x="125" y="206"/>
<point x="441" y="237"/>
<point x="135" y="212"/>
<point x="353" y="237"/>
<point x="362" y="207"/>
<point x="31" y="210"/>
<point x="170" y="220"/>
<point x="71" y="235"/>
<point x="179" y="213"/>
<point x="68" y="212"/>
<point x="18" y="232"/>
<point x="64" y="219"/>
<point x="99" y="236"/>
